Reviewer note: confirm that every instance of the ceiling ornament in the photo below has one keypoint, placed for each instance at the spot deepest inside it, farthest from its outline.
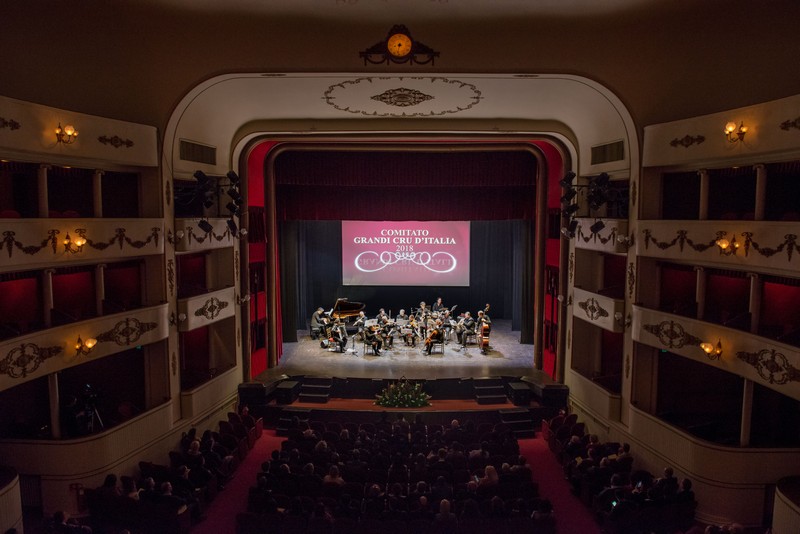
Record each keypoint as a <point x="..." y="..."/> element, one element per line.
<point x="402" y="97"/>
<point x="416" y="96"/>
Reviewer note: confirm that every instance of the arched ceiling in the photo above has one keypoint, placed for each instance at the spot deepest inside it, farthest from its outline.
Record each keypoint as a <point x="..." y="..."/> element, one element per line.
<point x="135" y="60"/>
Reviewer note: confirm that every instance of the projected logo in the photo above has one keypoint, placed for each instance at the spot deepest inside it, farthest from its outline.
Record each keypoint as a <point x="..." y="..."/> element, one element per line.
<point x="425" y="259"/>
<point x="405" y="253"/>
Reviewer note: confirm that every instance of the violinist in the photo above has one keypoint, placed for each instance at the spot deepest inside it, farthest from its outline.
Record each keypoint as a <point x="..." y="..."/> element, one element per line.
<point x="387" y="331"/>
<point x="372" y="336"/>
<point x="467" y="328"/>
<point x="436" y="336"/>
<point x="359" y="323"/>
<point x="411" y="335"/>
<point x="401" y="316"/>
<point x="438" y="306"/>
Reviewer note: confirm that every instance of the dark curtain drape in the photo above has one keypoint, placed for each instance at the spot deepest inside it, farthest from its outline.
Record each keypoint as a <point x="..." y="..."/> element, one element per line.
<point x="498" y="258"/>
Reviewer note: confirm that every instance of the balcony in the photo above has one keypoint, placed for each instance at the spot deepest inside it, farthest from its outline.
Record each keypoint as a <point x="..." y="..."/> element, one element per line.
<point x="610" y="239"/>
<point x="31" y="243"/>
<point x="205" y="309"/>
<point x="189" y="237"/>
<point x="599" y="310"/>
<point x="767" y="362"/>
<point x="54" y="349"/>
<point x="740" y="244"/>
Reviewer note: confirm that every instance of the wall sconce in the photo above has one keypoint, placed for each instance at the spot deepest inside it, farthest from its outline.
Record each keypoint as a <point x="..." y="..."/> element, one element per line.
<point x="66" y="135"/>
<point x="569" y="231"/>
<point x="625" y="240"/>
<point x="712" y="351"/>
<point x="243" y="233"/>
<point x="84" y="347"/>
<point x="74" y="246"/>
<point x="624" y="323"/>
<point x="242" y="300"/>
<point x="727" y="247"/>
<point x="735" y="133"/>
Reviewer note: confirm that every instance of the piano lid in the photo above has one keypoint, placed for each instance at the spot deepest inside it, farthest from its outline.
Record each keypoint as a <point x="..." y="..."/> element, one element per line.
<point x="344" y="308"/>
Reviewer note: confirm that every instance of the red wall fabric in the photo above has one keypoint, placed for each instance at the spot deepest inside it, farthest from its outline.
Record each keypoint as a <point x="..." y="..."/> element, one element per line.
<point x="780" y="305"/>
<point x="122" y="285"/>
<point x="74" y="293"/>
<point x="20" y="304"/>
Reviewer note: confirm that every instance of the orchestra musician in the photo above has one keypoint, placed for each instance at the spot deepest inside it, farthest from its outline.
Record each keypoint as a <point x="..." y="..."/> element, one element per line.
<point x="423" y="312"/>
<point x="484" y="323"/>
<point x="447" y="323"/>
<point x="411" y="335"/>
<point x="387" y="331"/>
<point x="359" y="323"/>
<point x="339" y="335"/>
<point x="467" y="328"/>
<point x="381" y="315"/>
<point x="372" y="335"/>
<point x="319" y="324"/>
<point x="401" y="316"/>
<point x="438" y="306"/>
<point x="436" y="336"/>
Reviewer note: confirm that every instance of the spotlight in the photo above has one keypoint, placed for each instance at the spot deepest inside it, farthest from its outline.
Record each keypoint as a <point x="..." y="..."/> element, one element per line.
<point x="566" y="233"/>
<point x="597" y="226"/>
<point x="205" y="226"/>
<point x="568" y="196"/>
<point x="573" y="225"/>
<point x="569" y="210"/>
<point x="233" y="208"/>
<point x="601" y="180"/>
<point x="234" y="194"/>
<point x="233" y="177"/>
<point x="201" y="177"/>
<point x="566" y="181"/>
<point x="232" y="226"/>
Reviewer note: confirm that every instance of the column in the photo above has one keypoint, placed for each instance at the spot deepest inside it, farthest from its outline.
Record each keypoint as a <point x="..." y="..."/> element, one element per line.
<point x="704" y="184"/>
<point x="747" y="413"/>
<point x="756" y="292"/>
<point x="97" y="192"/>
<point x="47" y="294"/>
<point x="761" y="191"/>
<point x="55" y="405"/>
<point x="99" y="287"/>
<point x="700" y="292"/>
<point x="44" y="204"/>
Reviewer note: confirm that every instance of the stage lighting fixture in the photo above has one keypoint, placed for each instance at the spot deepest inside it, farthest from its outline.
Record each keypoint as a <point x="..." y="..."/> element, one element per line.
<point x="234" y="194"/>
<point x="569" y="210"/>
<point x="573" y="225"/>
<point x="601" y="180"/>
<point x="568" y="196"/>
<point x="566" y="181"/>
<point x="205" y="226"/>
<point x="233" y="177"/>
<point x="201" y="177"/>
<point x="234" y="209"/>
<point x="597" y="226"/>
<point x="232" y="226"/>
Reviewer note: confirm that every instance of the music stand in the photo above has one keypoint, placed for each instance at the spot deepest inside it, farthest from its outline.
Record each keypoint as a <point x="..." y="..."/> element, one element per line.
<point x="353" y="348"/>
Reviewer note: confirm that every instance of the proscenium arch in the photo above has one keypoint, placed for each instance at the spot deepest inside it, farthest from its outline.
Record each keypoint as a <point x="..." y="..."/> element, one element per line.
<point x="571" y="114"/>
<point x="262" y="151"/>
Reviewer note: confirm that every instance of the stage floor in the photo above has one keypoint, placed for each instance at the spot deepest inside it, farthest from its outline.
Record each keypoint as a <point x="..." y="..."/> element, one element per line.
<point x="506" y="357"/>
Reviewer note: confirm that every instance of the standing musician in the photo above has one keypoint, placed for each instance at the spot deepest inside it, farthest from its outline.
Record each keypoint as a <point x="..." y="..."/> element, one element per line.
<point x="423" y="312"/>
<point x="438" y="306"/>
<point x="339" y="335"/>
<point x="483" y="328"/>
<point x="359" y="323"/>
<point x="468" y="328"/>
<point x="372" y="335"/>
<point x="319" y="323"/>
<point x="447" y="323"/>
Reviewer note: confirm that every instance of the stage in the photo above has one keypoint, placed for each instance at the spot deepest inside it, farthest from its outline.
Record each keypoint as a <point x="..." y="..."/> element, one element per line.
<point x="506" y="357"/>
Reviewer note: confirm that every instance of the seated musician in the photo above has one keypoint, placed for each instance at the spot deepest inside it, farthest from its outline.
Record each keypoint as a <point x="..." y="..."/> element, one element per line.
<point x="411" y="335"/>
<point x="401" y="316"/>
<point x="359" y="323"/>
<point x="436" y="336"/>
<point x="387" y="331"/>
<point x="468" y="328"/>
<point x="447" y="323"/>
<point x="438" y="306"/>
<point x="372" y="336"/>
<point x="318" y="323"/>
<point x="381" y="315"/>
<point x="339" y="335"/>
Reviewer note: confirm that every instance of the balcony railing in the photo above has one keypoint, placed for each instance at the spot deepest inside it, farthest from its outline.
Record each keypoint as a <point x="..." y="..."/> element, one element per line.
<point x="189" y="237"/>
<point x="202" y="310"/>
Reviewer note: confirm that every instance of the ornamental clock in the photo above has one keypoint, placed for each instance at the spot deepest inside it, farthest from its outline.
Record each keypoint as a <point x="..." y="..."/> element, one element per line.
<point x="399" y="47"/>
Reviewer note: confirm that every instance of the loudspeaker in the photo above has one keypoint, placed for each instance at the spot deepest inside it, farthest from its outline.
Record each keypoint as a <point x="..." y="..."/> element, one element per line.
<point x="287" y="391"/>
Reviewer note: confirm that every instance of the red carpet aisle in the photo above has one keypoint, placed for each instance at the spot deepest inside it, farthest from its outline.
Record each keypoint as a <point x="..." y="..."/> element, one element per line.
<point x="572" y="517"/>
<point x="221" y="513"/>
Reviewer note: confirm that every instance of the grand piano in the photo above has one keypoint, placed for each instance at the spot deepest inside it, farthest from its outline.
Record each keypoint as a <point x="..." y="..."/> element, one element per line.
<point x="344" y="310"/>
